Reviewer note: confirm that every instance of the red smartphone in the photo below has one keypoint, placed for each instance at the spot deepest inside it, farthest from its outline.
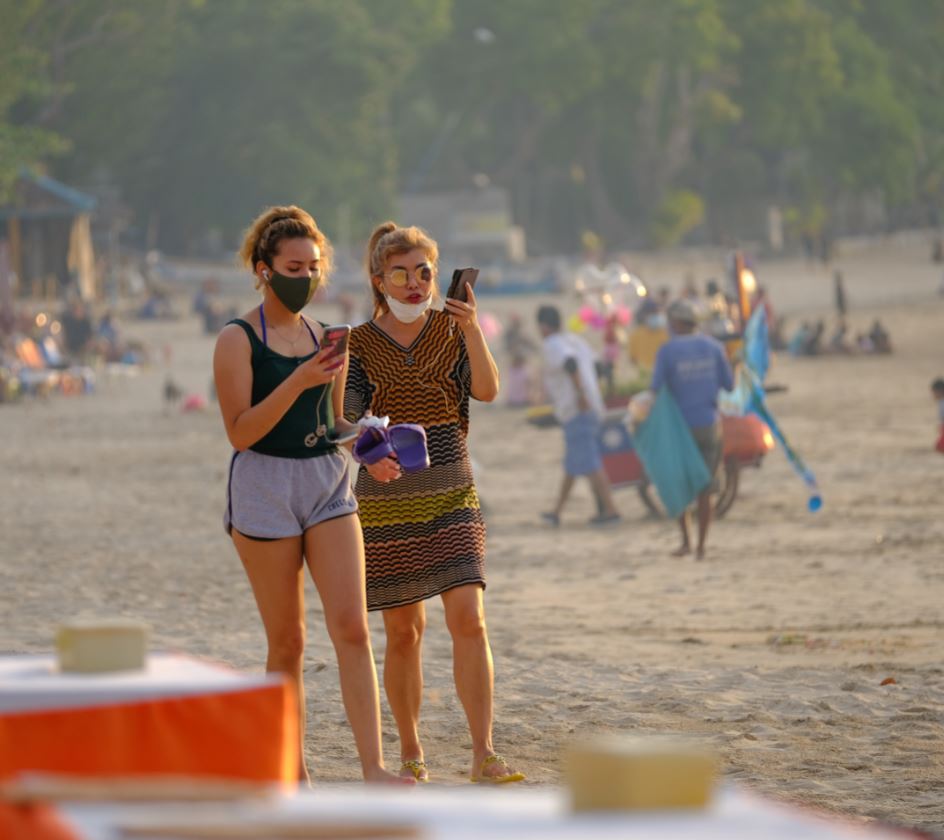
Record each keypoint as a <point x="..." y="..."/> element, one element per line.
<point x="335" y="337"/>
<point x="462" y="279"/>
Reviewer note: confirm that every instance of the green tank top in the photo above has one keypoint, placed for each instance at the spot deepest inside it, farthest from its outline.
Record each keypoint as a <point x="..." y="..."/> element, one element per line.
<point x="296" y="435"/>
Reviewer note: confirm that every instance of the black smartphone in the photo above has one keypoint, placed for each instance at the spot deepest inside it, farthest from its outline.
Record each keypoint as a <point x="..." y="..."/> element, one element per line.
<point x="336" y="337"/>
<point x="462" y="278"/>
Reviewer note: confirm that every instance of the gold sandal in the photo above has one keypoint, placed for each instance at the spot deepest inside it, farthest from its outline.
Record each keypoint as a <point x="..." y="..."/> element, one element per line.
<point x="418" y="768"/>
<point x="505" y="778"/>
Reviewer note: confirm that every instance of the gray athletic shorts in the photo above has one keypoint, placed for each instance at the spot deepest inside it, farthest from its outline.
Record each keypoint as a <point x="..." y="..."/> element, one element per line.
<point x="270" y="498"/>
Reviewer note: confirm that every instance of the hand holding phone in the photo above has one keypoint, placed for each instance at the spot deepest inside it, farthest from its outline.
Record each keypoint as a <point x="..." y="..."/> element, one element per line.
<point x="334" y="341"/>
<point x="335" y="338"/>
<point x="462" y="279"/>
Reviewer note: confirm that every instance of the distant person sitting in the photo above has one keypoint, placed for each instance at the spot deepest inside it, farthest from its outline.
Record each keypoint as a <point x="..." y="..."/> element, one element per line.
<point x="156" y="306"/>
<point x="77" y="329"/>
<point x="775" y="333"/>
<point x="798" y="340"/>
<point x="837" y="341"/>
<point x="518" y="383"/>
<point x="109" y="342"/>
<point x="813" y="344"/>
<point x="937" y="392"/>
<point x="878" y="335"/>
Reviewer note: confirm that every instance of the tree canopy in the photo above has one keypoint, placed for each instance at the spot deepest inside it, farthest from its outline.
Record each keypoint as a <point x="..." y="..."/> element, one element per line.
<point x="647" y="123"/>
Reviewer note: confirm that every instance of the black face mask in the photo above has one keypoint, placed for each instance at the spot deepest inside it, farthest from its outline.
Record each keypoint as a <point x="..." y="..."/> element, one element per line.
<point x="294" y="292"/>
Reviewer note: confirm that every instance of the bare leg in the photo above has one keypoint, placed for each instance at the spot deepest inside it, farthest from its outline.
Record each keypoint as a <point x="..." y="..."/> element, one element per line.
<point x="403" y="676"/>
<point x="473" y="669"/>
<point x="335" y="554"/>
<point x="567" y="484"/>
<point x="274" y="569"/>
<point x="704" y="520"/>
<point x="685" y="547"/>
<point x="601" y="487"/>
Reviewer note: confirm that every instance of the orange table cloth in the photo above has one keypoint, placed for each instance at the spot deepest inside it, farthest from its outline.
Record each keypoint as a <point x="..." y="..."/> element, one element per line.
<point x="178" y="717"/>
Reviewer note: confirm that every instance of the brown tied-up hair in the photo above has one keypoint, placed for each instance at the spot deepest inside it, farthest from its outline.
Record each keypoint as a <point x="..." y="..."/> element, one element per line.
<point x="264" y="236"/>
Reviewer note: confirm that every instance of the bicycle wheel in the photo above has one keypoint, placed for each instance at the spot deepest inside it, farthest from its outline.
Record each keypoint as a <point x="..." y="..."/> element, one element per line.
<point x="722" y="495"/>
<point x="728" y="478"/>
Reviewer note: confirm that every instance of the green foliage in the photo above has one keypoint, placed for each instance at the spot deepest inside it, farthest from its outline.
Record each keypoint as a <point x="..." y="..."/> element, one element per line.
<point x="681" y="212"/>
<point x="640" y="121"/>
<point x="23" y="80"/>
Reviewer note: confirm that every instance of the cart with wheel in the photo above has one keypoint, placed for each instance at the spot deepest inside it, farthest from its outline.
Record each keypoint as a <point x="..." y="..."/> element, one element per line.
<point x="746" y="440"/>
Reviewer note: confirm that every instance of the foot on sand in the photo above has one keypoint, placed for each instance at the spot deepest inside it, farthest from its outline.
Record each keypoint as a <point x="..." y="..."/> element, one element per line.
<point x="494" y="770"/>
<point x="385" y="777"/>
<point x="414" y="768"/>
<point x="682" y="551"/>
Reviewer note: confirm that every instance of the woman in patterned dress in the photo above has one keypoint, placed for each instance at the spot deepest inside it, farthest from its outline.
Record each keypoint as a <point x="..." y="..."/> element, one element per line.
<point x="423" y="532"/>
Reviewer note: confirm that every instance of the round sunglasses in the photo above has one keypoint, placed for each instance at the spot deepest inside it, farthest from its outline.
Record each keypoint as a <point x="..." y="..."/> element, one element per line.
<point x="399" y="277"/>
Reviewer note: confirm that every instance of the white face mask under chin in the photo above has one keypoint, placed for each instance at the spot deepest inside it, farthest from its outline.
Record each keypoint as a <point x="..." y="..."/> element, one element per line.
<point x="407" y="313"/>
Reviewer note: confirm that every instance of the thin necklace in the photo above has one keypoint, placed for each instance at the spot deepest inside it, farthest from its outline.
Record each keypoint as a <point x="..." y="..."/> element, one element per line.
<point x="298" y="334"/>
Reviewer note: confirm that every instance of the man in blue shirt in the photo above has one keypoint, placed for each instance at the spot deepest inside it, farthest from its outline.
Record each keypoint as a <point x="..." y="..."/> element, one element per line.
<point x="694" y="368"/>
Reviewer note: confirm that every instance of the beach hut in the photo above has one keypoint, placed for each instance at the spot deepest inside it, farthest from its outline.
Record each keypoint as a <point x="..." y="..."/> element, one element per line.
<point x="47" y="228"/>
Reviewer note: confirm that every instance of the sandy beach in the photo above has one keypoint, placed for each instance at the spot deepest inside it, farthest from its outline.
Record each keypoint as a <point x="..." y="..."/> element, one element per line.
<point x="774" y="649"/>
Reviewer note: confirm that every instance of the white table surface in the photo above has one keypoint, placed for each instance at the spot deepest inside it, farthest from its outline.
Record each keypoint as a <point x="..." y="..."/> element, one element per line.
<point x="522" y="813"/>
<point x="32" y="683"/>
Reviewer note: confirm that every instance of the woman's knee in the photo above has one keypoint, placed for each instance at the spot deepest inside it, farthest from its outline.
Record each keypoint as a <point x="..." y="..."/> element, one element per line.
<point x="466" y="622"/>
<point x="406" y="631"/>
<point x="349" y="627"/>
<point x="287" y="645"/>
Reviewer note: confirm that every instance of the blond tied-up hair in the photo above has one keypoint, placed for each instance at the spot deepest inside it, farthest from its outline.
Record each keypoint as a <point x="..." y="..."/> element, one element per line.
<point x="386" y="241"/>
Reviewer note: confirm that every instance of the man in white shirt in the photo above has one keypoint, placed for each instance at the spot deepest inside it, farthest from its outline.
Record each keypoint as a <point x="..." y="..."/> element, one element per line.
<point x="571" y="383"/>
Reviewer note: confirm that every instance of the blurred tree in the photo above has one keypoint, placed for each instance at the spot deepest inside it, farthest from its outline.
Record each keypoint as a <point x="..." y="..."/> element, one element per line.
<point x="594" y="114"/>
<point x="221" y="107"/>
<point x="24" y="85"/>
<point x="910" y="35"/>
<point x="679" y="212"/>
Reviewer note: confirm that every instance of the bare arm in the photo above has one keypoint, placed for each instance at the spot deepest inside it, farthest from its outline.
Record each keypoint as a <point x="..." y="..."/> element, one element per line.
<point x="570" y="367"/>
<point x="245" y="423"/>
<point x="341" y="424"/>
<point x="485" y="379"/>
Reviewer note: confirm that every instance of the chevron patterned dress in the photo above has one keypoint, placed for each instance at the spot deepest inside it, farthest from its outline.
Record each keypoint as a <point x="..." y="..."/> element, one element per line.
<point x="423" y="533"/>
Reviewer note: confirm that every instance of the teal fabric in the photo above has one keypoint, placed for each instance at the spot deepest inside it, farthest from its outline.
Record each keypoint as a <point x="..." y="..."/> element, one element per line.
<point x="670" y="455"/>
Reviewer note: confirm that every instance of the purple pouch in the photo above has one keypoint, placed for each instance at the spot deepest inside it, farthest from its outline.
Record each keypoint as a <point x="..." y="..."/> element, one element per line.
<point x="372" y="446"/>
<point x="409" y="442"/>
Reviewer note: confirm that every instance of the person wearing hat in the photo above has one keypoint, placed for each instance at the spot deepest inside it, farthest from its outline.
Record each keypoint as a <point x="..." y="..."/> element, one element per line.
<point x="694" y="368"/>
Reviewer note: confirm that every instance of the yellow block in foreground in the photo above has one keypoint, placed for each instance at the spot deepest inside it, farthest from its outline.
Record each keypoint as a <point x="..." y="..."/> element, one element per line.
<point x="619" y="773"/>
<point x="102" y="645"/>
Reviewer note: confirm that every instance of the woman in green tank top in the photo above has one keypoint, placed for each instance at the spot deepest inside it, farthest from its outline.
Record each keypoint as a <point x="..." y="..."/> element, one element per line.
<point x="289" y="499"/>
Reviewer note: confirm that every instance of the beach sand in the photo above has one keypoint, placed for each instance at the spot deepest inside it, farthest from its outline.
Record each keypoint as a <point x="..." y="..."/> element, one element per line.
<point x="774" y="650"/>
